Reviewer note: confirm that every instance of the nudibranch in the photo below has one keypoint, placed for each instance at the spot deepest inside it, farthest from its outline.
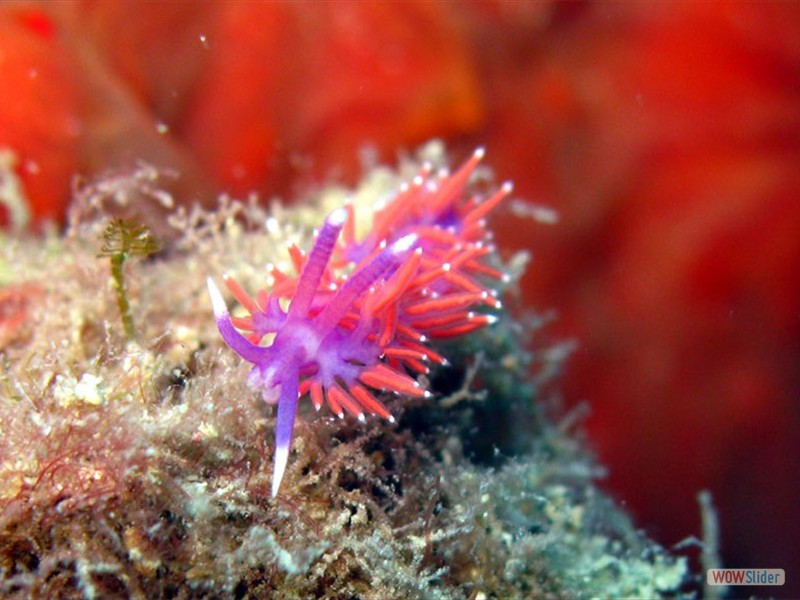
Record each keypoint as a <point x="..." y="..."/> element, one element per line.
<point x="362" y="313"/>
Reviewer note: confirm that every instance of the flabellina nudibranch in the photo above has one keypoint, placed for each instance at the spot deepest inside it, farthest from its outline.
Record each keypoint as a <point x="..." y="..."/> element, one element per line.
<point x="361" y="313"/>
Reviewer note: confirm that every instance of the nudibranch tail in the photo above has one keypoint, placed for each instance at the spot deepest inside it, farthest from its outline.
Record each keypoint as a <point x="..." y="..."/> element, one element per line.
<point x="287" y="410"/>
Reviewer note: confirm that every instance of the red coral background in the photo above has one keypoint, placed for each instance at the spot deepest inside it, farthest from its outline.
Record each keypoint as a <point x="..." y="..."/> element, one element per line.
<point x="666" y="134"/>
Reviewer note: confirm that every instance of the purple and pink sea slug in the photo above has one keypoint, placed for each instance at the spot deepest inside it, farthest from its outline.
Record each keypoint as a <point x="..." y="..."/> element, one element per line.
<point x="361" y="313"/>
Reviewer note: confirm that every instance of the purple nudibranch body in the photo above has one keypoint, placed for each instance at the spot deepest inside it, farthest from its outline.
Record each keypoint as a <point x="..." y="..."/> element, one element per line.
<point x="416" y="276"/>
<point x="305" y="343"/>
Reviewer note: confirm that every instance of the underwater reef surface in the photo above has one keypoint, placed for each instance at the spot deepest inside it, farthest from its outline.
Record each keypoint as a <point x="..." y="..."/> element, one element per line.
<point x="139" y="466"/>
<point x="666" y="134"/>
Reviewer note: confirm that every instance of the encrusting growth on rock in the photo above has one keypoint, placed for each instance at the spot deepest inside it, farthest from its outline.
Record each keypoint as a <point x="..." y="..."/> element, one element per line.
<point x="126" y="470"/>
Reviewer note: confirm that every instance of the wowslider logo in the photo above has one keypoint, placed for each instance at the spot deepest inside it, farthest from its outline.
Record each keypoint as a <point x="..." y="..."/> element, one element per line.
<point x="746" y="577"/>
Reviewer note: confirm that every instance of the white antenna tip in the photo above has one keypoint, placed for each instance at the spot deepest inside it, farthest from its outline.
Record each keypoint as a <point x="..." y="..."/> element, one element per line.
<point x="217" y="301"/>
<point x="338" y="217"/>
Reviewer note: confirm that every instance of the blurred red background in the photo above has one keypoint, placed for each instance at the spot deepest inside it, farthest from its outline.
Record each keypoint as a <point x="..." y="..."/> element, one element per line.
<point x="666" y="134"/>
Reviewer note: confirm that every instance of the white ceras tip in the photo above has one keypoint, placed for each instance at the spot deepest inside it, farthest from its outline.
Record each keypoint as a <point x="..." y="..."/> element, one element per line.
<point x="404" y="243"/>
<point x="217" y="301"/>
<point x="479" y="153"/>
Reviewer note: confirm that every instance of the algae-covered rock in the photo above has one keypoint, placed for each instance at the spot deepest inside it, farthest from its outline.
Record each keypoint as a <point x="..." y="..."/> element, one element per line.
<point x="142" y="468"/>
